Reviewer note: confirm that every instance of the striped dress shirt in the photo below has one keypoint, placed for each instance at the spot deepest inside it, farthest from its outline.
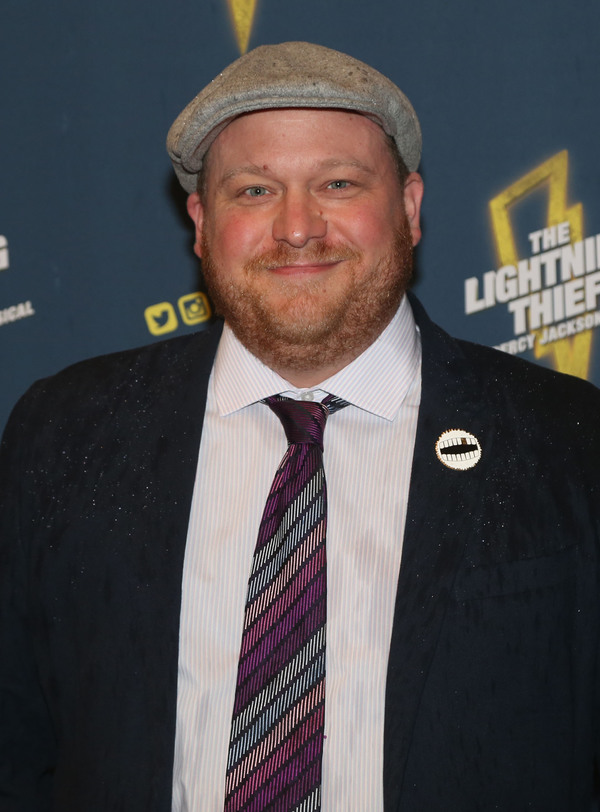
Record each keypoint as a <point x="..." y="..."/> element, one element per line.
<point x="368" y="452"/>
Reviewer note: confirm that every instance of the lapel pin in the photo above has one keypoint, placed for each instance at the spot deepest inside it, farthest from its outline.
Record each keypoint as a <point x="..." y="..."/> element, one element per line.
<point x="458" y="449"/>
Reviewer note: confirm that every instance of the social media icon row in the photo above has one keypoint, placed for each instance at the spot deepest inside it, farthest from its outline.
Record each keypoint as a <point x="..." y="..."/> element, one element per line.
<point x="161" y="318"/>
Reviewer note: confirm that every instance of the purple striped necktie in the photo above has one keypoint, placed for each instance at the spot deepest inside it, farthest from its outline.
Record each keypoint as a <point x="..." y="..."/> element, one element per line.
<point x="276" y="743"/>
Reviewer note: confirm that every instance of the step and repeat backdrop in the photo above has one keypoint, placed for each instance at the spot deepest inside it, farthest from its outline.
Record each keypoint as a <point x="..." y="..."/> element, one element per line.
<point x="95" y="246"/>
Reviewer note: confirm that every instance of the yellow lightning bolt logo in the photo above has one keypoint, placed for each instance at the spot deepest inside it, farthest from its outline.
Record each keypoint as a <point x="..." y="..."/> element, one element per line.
<point x="242" y="15"/>
<point x="571" y="355"/>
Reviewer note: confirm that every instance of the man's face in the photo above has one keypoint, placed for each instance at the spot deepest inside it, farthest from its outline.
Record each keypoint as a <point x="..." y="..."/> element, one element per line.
<point x="306" y="236"/>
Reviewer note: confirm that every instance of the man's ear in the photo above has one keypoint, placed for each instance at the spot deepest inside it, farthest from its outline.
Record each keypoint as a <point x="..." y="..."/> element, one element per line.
<point x="413" y="195"/>
<point x="196" y="212"/>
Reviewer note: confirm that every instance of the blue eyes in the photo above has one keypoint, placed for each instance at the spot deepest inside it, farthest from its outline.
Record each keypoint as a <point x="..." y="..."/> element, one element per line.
<point x="261" y="191"/>
<point x="256" y="191"/>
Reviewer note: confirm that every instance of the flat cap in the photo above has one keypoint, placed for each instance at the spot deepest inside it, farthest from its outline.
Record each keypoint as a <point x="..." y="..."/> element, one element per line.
<point x="291" y="74"/>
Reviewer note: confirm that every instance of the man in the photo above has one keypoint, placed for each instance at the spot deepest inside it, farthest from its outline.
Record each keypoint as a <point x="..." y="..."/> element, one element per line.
<point x="463" y="590"/>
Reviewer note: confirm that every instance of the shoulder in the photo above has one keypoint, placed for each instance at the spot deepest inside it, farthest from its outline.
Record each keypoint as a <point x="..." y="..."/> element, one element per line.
<point x="500" y="380"/>
<point x="501" y="371"/>
<point x="132" y="368"/>
<point x="132" y="381"/>
<point x="533" y="392"/>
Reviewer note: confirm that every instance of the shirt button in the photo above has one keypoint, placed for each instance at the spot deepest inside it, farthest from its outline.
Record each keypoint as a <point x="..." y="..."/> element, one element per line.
<point x="307" y="396"/>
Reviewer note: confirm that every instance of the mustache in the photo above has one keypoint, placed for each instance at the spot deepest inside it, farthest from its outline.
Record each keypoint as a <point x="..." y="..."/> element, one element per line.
<point x="317" y="252"/>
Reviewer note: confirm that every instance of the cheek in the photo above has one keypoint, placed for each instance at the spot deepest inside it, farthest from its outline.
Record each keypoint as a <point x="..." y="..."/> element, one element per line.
<point x="367" y="231"/>
<point x="237" y="237"/>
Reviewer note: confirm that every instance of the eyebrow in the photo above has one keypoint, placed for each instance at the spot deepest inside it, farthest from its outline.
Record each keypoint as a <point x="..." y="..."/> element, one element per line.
<point x="336" y="163"/>
<point x="330" y="163"/>
<point x="248" y="169"/>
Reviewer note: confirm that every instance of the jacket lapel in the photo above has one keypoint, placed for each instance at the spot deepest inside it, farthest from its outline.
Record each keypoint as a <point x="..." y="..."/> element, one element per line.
<point x="172" y="408"/>
<point x="441" y="516"/>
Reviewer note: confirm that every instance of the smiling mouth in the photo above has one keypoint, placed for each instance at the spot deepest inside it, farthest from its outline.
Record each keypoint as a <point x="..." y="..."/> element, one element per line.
<point x="287" y="261"/>
<point x="303" y="268"/>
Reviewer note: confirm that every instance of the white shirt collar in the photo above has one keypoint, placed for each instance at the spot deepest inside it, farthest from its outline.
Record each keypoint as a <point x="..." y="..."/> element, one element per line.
<point x="377" y="381"/>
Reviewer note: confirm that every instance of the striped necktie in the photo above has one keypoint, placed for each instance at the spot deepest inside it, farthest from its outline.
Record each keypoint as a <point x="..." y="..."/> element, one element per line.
<point x="276" y="743"/>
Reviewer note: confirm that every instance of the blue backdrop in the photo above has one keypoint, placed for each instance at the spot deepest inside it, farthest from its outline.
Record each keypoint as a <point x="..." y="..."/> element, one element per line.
<point x="95" y="247"/>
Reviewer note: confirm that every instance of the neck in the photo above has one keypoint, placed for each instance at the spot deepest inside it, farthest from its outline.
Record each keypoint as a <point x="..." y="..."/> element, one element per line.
<point x="305" y="377"/>
<point x="308" y="378"/>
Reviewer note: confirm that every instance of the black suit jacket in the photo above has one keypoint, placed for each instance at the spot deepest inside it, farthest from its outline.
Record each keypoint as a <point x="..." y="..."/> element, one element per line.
<point x="493" y="685"/>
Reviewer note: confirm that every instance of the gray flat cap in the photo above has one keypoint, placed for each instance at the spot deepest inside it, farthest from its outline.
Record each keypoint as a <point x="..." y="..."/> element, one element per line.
<point x="291" y="74"/>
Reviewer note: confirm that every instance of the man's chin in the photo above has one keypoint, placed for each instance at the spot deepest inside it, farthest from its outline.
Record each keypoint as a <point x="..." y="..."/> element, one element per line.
<point x="300" y="317"/>
<point x="298" y="329"/>
<point x="299" y="334"/>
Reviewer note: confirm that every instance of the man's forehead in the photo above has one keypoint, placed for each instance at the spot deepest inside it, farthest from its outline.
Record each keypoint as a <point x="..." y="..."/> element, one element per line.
<point x="313" y="138"/>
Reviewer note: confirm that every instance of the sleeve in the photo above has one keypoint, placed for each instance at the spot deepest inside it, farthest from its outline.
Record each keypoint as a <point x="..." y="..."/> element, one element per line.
<point x="27" y="741"/>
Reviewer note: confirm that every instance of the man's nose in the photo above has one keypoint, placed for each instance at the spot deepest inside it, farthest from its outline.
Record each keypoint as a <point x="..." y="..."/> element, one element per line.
<point x="299" y="220"/>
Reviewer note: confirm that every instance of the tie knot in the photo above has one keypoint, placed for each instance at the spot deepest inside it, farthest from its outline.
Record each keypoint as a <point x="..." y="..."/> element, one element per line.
<point x="303" y="421"/>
